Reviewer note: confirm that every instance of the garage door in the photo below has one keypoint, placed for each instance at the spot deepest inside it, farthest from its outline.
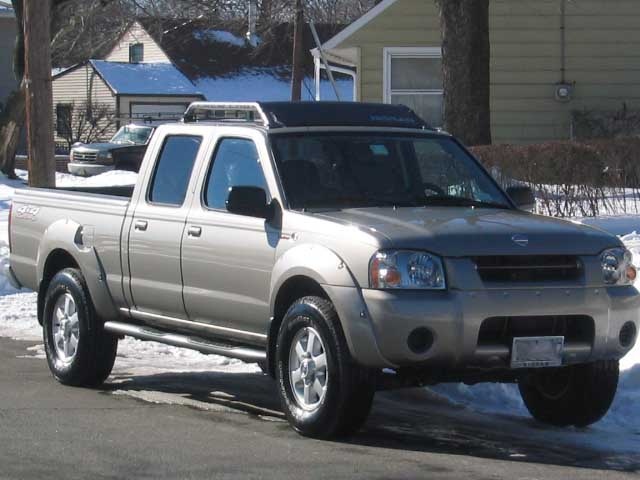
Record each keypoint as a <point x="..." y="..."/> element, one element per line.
<point x="156" y="113"/>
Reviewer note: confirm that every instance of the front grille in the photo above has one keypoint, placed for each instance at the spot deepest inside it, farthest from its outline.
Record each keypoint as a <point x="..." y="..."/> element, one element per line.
<point x="85" y="156"/>
<point x="529" y="268"/>
<point x="502" y="330"/>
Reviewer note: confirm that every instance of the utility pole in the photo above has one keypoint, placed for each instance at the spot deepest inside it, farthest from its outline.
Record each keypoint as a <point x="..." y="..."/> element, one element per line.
<point x="297" y="73"/>
<point x="37" y="77"/>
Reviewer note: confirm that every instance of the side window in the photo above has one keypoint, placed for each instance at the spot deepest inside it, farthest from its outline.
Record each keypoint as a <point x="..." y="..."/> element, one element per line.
<point x="173" y="170"/>
<point x="235" y="164"/>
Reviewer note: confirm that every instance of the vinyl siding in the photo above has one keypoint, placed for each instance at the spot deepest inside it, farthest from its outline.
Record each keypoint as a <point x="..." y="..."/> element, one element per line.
<point x="7" y="41"/>
<point x="78" y="87"/>
<point x="136" y="34"/>
<point x="602" y="58"/>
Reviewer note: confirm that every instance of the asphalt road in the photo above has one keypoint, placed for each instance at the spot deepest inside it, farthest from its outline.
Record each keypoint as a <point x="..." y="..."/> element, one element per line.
<point x="218" y="425"/>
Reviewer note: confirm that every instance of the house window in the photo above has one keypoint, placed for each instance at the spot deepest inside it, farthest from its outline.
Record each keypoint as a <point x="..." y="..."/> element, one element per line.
<point x="63" y="119"/>
<point x="136" y="53"/>
<point x="413" y="77"/>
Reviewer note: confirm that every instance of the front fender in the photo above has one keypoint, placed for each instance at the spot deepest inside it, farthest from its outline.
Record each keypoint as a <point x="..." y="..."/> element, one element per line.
<point x="68" y="236"/>
<point x="332" y="273"/>
<point x="314" y="261"/>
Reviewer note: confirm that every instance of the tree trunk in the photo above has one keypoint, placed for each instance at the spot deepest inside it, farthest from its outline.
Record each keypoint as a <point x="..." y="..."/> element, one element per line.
<point x="466" y="55"/>
<point x="11" y="124"/>
<point x="37" y="42"/>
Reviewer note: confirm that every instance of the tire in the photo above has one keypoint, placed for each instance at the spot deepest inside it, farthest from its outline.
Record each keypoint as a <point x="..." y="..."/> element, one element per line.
<point x="577" y="395"/>
<point x="70" y="318"/>
<point x="347" y="388"/>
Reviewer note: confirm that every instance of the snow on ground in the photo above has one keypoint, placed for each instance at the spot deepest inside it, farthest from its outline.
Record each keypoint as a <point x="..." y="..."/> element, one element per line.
<point x="622" y="424"/>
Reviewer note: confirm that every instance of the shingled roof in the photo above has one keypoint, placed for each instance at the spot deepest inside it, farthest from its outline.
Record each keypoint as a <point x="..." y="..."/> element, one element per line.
<point x="202" y="48"/>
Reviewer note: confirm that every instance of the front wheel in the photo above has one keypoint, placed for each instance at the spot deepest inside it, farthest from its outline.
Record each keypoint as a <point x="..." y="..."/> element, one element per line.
<point x="576" y="395"/>
<point x="79" y="351"/>
<point x="323" y="392"/>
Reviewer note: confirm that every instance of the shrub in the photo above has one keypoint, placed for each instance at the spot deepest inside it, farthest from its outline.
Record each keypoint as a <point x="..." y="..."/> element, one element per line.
<point x="572" y="178"/>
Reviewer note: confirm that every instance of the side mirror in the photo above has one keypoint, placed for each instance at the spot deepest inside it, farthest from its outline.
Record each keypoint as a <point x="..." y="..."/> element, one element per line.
<point x="250" y="202"/>
<point x="523" y="197"/>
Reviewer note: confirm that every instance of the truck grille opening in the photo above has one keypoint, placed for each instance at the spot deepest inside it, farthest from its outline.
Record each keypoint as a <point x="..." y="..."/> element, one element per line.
<point x="85" y="156"/>
<point x="528" y="268"/>
<point x="502" y="330"/>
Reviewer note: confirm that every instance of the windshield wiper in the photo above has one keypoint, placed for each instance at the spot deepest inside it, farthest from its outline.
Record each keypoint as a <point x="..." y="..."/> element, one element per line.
<point x="453" y="201"/>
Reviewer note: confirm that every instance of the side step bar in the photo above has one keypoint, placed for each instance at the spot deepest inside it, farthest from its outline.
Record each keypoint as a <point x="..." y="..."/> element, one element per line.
<point x="185" y="341"/>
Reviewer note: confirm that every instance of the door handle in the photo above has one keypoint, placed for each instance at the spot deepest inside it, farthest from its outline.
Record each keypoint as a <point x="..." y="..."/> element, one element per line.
<point x="141" y="225"/>
<point x="194" y="231"/>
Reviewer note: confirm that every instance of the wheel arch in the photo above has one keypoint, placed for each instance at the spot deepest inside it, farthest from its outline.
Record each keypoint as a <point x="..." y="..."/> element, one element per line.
<point x="62" y="247"/>
<point x="293" y="288"/>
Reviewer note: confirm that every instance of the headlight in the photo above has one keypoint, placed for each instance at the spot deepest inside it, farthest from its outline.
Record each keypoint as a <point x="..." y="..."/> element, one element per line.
<point x="105" y="156"/>
<point x="71" y="156"/>
<point x="406" y="269"/>
<point x="617" y="268"/>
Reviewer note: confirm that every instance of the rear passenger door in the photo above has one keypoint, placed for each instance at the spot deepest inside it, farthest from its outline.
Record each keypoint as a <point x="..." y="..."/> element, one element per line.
<point x="227" y="259"/>
<point x="156" y="232"/>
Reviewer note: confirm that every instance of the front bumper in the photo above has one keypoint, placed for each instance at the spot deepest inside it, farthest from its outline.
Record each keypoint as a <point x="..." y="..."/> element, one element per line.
<point x="454" y="318"/>
<point x="88" y="169"/>
<point x="11" y="277"/>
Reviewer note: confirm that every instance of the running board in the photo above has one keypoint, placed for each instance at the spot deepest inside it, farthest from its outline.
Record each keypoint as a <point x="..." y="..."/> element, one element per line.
<point x="185" y="341"/>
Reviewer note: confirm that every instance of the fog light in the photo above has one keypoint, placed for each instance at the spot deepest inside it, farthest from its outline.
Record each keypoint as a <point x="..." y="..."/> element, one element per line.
<point x="627" y="335"/>
<point x="420" y="340"/>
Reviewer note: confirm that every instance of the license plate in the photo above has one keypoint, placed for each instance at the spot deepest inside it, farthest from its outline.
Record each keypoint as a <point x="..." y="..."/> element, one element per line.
<point x="537" y="352"/>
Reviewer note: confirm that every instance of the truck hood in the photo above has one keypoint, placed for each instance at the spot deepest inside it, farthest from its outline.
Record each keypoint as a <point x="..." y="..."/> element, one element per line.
<point x="102" y="147"/>
<point x="464" y="231"/>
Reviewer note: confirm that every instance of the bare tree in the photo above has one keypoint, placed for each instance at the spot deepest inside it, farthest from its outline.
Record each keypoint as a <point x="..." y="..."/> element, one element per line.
<point x="87" y="123"/>
<point x="466" y="55"/>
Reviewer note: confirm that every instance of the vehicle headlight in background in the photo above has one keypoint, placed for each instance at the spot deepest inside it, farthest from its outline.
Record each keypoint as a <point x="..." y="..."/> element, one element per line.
<point x="406" y="269"/>
<point x="617" y="268"/>
<point x="71" y="156"/>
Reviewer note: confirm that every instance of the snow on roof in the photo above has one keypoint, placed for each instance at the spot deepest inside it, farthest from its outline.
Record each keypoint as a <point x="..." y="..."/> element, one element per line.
<point x="144" y="78"/>
<point x="221" y="36"/>
<point x="263" y="84"/>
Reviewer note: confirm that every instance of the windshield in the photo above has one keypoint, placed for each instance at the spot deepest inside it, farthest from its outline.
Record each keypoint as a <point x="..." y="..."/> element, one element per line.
<point x="132" y="135"/>
<point x="336" y="170"/>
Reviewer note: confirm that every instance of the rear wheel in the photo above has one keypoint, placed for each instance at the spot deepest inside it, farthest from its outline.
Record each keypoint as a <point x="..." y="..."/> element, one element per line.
<point x="79" y="351"/>
<point x="323" y="392"/>
<point x="576" y="395"/>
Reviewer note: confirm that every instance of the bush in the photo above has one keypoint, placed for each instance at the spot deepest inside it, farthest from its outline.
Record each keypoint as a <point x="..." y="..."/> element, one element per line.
<point x="572" y="178"/>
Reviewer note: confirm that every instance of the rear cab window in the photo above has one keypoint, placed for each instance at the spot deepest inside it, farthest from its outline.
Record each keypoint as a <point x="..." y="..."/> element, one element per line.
<point x="173" y="169"/>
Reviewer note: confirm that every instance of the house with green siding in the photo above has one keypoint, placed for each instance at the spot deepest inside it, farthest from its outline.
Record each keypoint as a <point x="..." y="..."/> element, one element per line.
<point x="549" y="59"/>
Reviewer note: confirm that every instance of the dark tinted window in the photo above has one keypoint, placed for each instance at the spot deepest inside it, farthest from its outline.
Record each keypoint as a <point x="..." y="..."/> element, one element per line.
<point x="236" y="164"/>
<point x="136" y="53"/>
<point x="173" y="170"/>
<point x="329" y="170"/>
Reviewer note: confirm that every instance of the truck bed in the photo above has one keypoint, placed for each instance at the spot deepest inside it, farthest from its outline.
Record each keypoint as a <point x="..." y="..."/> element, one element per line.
<point x="42" y="218"/>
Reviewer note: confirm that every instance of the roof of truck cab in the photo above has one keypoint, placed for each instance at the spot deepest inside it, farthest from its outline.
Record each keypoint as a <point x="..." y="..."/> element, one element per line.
<point x="280" y="115"/>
